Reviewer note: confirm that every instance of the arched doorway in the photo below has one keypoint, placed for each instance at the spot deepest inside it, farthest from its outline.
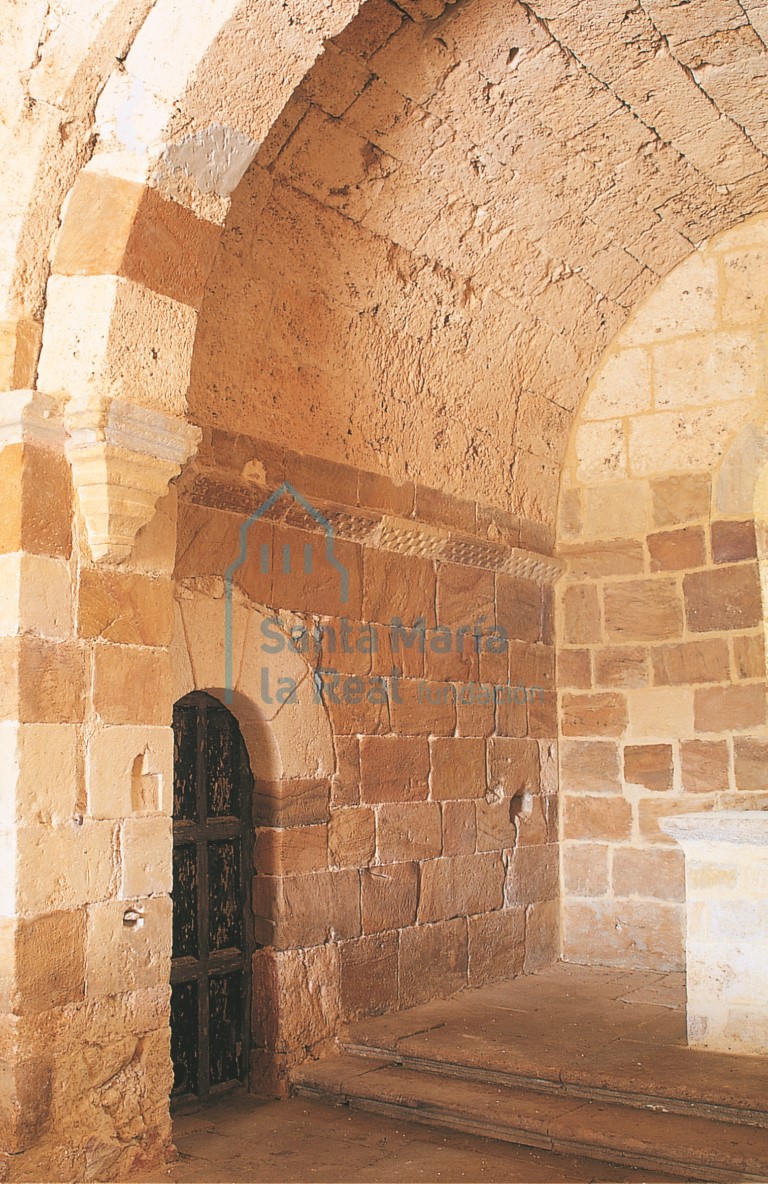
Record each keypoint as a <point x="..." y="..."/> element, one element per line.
<point x="212" y="920"/>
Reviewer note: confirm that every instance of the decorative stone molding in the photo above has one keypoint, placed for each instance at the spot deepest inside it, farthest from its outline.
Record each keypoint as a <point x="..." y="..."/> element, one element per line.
<point x="123" y="457"/>
<point x="407" y="536"/>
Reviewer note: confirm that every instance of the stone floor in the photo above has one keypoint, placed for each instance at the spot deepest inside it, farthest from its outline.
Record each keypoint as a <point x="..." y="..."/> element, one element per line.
<point x="239" y="1139"/>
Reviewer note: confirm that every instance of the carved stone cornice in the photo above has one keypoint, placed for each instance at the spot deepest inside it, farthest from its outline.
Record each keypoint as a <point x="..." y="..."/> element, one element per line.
<point x="123" y="457"/>
<point x="31" y="417"/>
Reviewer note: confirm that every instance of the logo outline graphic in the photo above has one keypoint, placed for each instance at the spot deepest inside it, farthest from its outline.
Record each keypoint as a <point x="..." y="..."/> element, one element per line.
<point x="229" y="573"/>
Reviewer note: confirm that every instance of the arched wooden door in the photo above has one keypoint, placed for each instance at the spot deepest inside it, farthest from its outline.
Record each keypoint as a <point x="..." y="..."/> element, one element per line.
<point x="212" y="927"/>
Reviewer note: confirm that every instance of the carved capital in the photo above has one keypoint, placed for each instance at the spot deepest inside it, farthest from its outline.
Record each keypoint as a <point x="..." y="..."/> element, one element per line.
<point x="123" y="458"/>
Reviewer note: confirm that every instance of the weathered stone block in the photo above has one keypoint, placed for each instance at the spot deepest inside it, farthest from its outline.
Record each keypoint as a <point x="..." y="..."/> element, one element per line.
<point x="596" y="818"/>
<point x="599" y="714"/>
<point x="723" y="598"/>
<point x="621" y="666"/>
<point x="291" y="851"/>
<point x="589" y="766"/>
<point x="122" y="957"/>
<point x="131" y="685"/>
<point x="581" y="614"/>
<point x="649" y="765"/>
<point x="460" y="885"/>
<point x="464" y="594"/>
<point x="389" y="896"/>
<point x="351" y="837"/>
<point x="411" y="830"/>
<point x="369" y="975"/>
<point x="647" y="873"/>
<point x="433" y="961"/>
<point x="733" y="708"/>
<point x="295" y="802"/>
<point x="585" y="869"/>
<point x="686" y="662"/>
<point x="675" y="550"/>
<point x="643" y="610"/>
<point x="496" y="946"/>
<point x="533" y="873"/>
<point x="704" y="766"/>
<point x="146" y="846"/>
<point x="680" y="499"/>
<point x="394" y="768"/>
<point x="124" y="607"/>
<point x="733" y="542"/>
<point x="309" y="910"/>
<point x="457" y="768"/>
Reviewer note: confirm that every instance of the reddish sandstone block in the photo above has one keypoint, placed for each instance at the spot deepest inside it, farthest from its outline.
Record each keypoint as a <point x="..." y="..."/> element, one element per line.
<point x="443" y="509"/>
<point x="459" y="828"/>
<point x="389" y="896"/>
<point x="621" y="666"/>
<point x="589" y="766"/>
<point x="533" y="873"/>
<point x="542" y="716"/>
<point x="680" y="499"/>
<point x="496" y="945"/>
<point x="309" y="910"/>
<point x="297" y="802"/>
<point x="686" y="662"/>
<point x="394" y="768"/>
<point x="704" y="765"/>
<point x="433" y="961"/>
<point x="649" y="765"/>
<point x="475" y="719"/>
<point x="376" y="492"/>
<point x="462" y="664"/>
<point x="398" y="586"/>
<point x="654" y="873"/>
<point x="733" y="708"/>
<point x="421" y="708"/>
<point x="358" y="708"/>
<point x="345" y="649"/>
<point x="46" y="513"/>
<point x="495" y="824"/>
<point x="749" y="655"/>
<point x="369" y="975"/>
<point x="457" y="768"/>
<point x="351" y="837"/>
<point x="345" y="784"/>
<point x="600" y="714"/>
<point x="409" y="830"/>
<point x="733" y="542"/>
<point x="542" y="935"/>
<point x="750" y="759"/>
<point x="403" y="654"/>
<point x="643" y="610"/>
<point x="514" y="766"/>
<point x="597" y="818"/>
<point x="676" y="550"/>
<point x="292" y="851"/>
<point x="464" y="594"/>
<point x="460" y="885"/>
<point x="320" y="590"/>
<point x="320" y="479"/>
<point x="619" y="557"/>
<point x="520" y="608"/>
<point x="581" y="614"/>
<point x="531" y="665"/>
<point x="493" y="668"/>
<point x="723" y="598"/>
<point x="511" y="717"/>
<point x="574" y="669"/>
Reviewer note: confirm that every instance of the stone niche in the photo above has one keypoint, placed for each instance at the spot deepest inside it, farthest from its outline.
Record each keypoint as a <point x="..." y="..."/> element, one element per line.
<point x="726" y="872"/>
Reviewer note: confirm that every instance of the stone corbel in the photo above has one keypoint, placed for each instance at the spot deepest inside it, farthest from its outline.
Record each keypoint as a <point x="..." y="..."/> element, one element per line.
<point x="123" y="458"/>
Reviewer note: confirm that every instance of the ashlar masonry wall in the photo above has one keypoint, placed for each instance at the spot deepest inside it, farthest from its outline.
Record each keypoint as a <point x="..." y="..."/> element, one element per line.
<point x="661" y="668"/>
<point x="415" y="853"/>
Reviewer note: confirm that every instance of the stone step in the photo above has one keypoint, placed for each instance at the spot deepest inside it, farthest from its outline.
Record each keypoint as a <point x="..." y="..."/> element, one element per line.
<point x="687" y="1146"/>
<point x="592" y="1083"/>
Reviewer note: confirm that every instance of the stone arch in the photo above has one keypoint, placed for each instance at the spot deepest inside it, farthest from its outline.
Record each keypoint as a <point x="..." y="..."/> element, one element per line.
<point x="661" y="623"/>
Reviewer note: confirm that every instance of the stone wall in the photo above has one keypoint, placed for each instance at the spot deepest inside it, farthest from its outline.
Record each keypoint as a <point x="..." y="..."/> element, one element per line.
<point x="85" y="832"/>
<point x="661" y="670"/>
<point x="406" y="840"/>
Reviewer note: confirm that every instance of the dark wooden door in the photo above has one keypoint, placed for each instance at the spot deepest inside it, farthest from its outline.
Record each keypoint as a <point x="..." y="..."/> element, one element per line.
<point x="212" y="941"/>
